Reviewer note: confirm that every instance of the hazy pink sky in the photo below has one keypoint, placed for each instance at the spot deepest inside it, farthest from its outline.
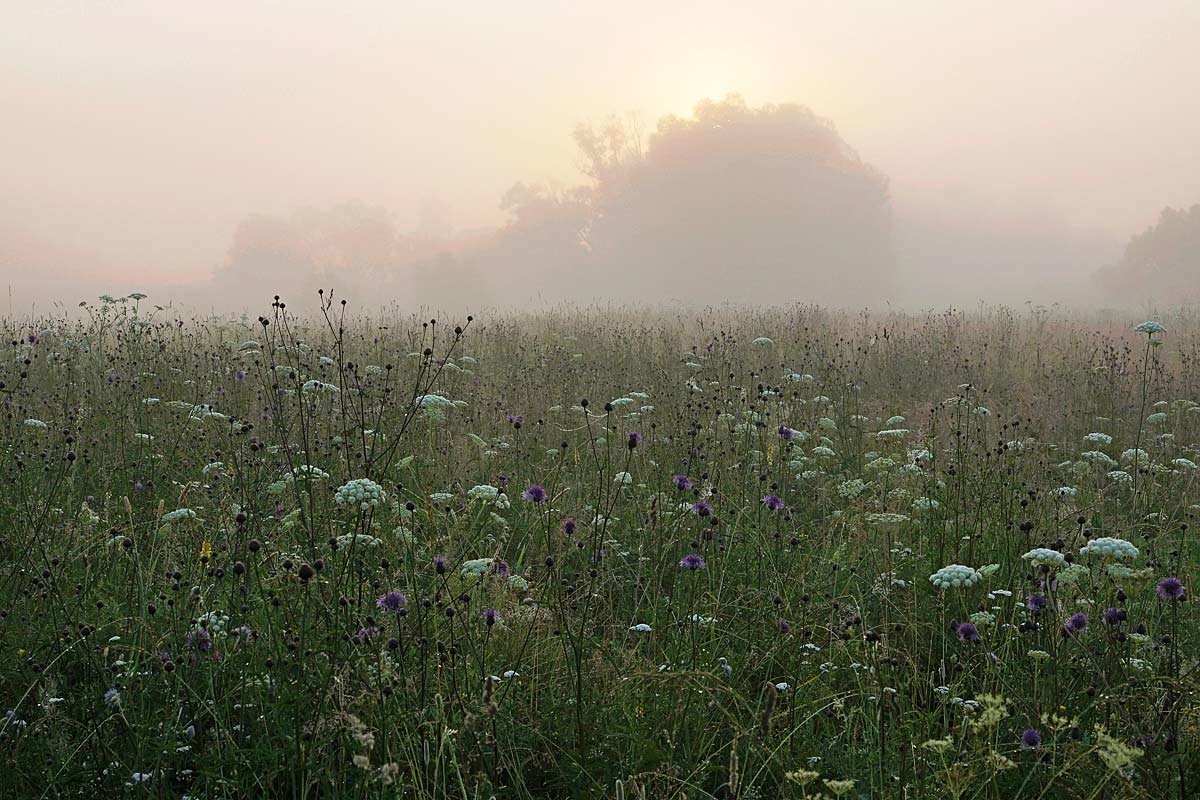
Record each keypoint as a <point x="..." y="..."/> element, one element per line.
<point x="136" y="135"/>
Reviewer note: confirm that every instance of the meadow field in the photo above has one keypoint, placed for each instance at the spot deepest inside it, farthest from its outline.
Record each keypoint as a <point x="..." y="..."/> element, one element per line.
<point x="599" y="552"/>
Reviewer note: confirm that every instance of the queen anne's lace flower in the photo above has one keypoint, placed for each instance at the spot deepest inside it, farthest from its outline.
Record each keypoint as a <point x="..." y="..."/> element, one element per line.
<point x="1109" y="547"/>
<point x="1044" y="555"/>
<point x="955" y="576"/>
<point x="363" y="492"/>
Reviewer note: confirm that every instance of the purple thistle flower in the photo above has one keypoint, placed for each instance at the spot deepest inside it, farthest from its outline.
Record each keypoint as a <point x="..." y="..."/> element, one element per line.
<point x="535" y="494"/>
<point x="1076" y="623"/>
<point x="439" y="565"/>
<point x="391" y="602"/>
<point x="569" y="525"/>
<point x="502" y="568"/>
<point x="634" y="439"/>
<point x="490" y="616"/>
<point x="702" y="509"/>
<point x="683" y="482"/>
<point x="773" y="502"/>
<point x="1035" y="602"/>
<point x="364" y="635"/>
<point x="200" y="639"/>
<point x="786" y="433"/>
<point x="785" y="627"/>
<point x="967" y="632"/>
<point x="691" y="562"/>
<point x="1170" y="589"/>
<point x="1114" y="616"/>
<point x="1031" y="738"/>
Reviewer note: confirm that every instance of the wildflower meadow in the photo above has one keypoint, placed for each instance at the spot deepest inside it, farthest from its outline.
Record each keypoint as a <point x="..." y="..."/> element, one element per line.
<point x="599" y="553"/>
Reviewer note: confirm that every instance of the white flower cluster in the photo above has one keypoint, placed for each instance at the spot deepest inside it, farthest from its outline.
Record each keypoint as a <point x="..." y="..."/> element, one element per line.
<point x="1109" y="547"/>
<point x="306" y="472"/>
<point x="362" y="492"/>
<point x="348" y="541"/>
<point x="1044" y="555"/>
<point x="956" y="576"/>
<point x="1135" y="454"/>
<point x="178" y="515"/>
<point x="483" y="492"/>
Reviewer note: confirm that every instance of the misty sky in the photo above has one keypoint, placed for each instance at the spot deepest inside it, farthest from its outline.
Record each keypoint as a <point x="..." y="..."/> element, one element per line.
<point x="135" y="136"/>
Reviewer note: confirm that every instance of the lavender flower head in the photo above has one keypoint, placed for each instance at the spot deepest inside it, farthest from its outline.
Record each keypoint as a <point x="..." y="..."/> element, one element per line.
<point x="391" y="602"/>
<point x="1170" y="589"/>
<point x="1076" y="623"/>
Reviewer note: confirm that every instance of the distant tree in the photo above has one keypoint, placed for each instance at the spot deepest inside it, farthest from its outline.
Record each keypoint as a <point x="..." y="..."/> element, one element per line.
<point x="741" y="203"/>
<point x="1161" y="263"/>
<point x="351" y="247"/>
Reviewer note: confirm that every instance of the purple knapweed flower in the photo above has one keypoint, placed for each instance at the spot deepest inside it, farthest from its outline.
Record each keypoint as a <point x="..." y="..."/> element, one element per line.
<point x="702" y="509"/>
<point x="1031" y="738"/>
<point x="391" y="602"/>
<point x="1035" y="602"/>
<point x="1170" y="589"/>
<point x="200" y="639"/>
<point x="1076" y="623"/>
<point x="490" y="616"/>
<point x="682" y="482"/>
<point x="1114" y="616"/>
<point x="634" y="439"/>
<point x="365" y="635"/>
<point x="773" y="502"/>
<point x="691" y="562"/>
<point x="967" y="632"/>
<point x="786" y="433"/>
<point x="535" y="494"/>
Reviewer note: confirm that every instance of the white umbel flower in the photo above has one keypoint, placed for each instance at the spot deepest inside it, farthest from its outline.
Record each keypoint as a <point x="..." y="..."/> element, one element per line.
<point x="955" y="576"/>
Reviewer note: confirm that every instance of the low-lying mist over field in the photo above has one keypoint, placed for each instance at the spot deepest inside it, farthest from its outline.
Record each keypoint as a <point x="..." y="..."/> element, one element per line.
<point x="521" y="157"/>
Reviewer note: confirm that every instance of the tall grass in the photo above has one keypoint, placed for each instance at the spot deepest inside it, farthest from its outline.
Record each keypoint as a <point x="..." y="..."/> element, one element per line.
<point x="297" y="557"/>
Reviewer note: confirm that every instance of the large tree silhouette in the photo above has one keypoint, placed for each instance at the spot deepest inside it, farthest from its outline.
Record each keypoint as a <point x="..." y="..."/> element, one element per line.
<point x="739" y="203"/>
<point x="1161" y="263"/>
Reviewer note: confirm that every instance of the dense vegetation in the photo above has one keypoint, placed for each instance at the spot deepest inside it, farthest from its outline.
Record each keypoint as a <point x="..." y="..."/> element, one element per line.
<point x="599" y="553"/>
